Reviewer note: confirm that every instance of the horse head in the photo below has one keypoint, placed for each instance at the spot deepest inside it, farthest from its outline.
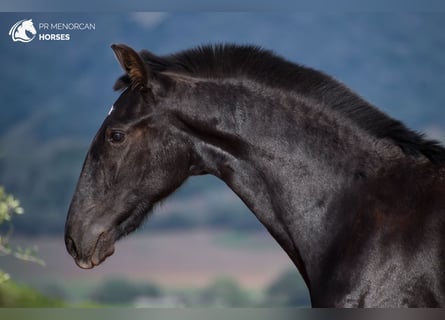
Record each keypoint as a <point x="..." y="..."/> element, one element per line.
<point x="135" y="160"/>
<point x="19" y="31"/>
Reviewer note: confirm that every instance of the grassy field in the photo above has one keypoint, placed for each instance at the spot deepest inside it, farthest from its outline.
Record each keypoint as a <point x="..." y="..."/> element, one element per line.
<point x="172" y="260"/>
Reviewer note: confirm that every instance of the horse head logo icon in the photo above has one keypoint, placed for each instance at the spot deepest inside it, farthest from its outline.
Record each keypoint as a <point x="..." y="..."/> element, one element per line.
<point x="23" y="31"/>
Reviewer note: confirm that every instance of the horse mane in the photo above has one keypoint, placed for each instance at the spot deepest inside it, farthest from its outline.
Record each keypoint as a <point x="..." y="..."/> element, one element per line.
<point x="255" y="63"/>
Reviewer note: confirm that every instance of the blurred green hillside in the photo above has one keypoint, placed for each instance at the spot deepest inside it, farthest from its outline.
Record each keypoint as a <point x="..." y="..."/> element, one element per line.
<point x="13" y="295"/>
<point x="55" y="94"/>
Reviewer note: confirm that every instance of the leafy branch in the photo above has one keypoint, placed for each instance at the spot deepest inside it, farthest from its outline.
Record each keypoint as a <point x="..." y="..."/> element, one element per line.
<point x="9" y="206"/>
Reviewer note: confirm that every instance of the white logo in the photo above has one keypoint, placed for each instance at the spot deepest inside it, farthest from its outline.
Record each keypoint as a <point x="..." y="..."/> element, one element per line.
<point x="23" y="31"/>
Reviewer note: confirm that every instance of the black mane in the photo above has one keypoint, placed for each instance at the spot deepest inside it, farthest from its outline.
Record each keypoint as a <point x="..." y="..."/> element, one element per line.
<point x="220" y="61"/>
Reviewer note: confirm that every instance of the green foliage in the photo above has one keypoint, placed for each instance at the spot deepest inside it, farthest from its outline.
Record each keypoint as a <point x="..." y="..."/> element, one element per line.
<point x="288" y="290"/>
<point x="15" y="295"/>
<point x="225" y="292"/>
<point x="9" y="206"/>
<point x="121" y="291"/>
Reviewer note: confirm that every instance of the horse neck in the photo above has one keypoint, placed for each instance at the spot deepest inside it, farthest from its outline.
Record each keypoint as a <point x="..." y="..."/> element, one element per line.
<point x="283" y="155"/>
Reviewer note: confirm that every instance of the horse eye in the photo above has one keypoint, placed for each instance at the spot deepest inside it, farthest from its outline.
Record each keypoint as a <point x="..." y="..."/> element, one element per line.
<point x="117" y="136"/>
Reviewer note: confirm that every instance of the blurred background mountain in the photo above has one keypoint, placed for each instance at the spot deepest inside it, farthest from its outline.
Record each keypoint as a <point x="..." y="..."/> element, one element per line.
<point x="55" y="94"/>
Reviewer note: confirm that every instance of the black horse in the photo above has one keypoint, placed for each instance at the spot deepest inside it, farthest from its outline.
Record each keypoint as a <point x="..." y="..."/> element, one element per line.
<point x="356" y="199"/>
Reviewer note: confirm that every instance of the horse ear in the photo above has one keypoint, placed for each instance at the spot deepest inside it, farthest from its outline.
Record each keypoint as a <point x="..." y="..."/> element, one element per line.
<point x="137" y="71"/>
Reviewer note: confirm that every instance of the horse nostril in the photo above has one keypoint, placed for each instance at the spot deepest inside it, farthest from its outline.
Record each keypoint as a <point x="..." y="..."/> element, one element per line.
<point x="71" y="247"/>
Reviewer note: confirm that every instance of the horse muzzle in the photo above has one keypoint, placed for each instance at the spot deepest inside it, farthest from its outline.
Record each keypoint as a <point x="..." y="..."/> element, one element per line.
<point x="91" y="247"/>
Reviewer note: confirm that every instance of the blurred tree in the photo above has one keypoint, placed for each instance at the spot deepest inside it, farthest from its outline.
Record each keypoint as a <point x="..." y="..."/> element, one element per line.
<point x="225" y="292"/>
<point x="121" y="291"/>
<point x="288" y="290"/>
<point x="9" y="206"/>
<point x="52" y="290"/>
